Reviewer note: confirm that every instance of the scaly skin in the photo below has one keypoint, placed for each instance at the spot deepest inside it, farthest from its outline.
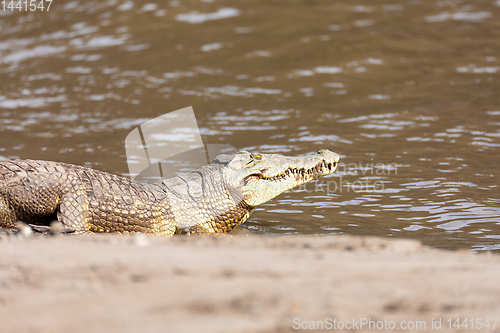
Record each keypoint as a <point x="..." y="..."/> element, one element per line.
<point x="213" y="199"/>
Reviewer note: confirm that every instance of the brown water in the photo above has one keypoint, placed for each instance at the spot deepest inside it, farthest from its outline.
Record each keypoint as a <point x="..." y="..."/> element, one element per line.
<point x="407" y="92"/>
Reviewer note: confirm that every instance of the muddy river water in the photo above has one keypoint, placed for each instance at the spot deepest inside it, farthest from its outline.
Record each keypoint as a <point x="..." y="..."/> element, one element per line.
<point x="407" y="92"/>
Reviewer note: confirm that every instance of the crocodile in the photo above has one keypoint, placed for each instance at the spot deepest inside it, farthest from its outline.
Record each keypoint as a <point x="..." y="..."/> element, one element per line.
<point x="213" y="199"/>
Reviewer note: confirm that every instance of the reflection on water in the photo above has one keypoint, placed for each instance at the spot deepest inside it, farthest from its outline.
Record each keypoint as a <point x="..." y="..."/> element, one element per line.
<point x="406" y="92"/>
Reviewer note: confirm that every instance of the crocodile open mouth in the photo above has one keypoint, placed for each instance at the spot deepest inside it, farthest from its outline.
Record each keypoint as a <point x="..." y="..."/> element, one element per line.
<point x="300" y="174"/>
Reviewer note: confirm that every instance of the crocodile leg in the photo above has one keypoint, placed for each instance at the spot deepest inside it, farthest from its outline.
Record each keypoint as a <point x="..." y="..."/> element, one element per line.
<point x="74" y="205"/>
<point x="37" y="198"/>
<point x="7" y="215"/>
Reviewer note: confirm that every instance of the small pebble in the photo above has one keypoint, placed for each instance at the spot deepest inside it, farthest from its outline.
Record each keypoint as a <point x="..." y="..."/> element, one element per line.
<point x="25" y="230"/>
<point x="140" y="240"/>
<point x="56" y="228"/>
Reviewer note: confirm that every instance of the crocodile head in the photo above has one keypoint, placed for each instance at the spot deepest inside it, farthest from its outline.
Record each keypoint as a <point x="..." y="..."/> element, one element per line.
<point x="261" y="177"/>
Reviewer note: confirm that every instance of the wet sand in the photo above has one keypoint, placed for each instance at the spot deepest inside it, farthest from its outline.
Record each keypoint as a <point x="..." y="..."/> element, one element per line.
<point x="240" y="283"/>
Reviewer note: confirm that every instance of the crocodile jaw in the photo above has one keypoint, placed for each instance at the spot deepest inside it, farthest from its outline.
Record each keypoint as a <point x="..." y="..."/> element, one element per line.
<point x="260" y="180"/>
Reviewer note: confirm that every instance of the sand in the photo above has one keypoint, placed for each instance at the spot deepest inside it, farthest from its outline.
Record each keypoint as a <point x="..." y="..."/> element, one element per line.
<point x="242" y="283"/>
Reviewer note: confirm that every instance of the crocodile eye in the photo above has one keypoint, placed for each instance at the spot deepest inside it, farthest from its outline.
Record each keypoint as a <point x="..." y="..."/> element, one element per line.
<point x="258" y="157"/>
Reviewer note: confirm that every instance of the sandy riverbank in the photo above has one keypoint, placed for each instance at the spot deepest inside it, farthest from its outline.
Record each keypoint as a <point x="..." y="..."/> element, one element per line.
<point x="237" y="283"/>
